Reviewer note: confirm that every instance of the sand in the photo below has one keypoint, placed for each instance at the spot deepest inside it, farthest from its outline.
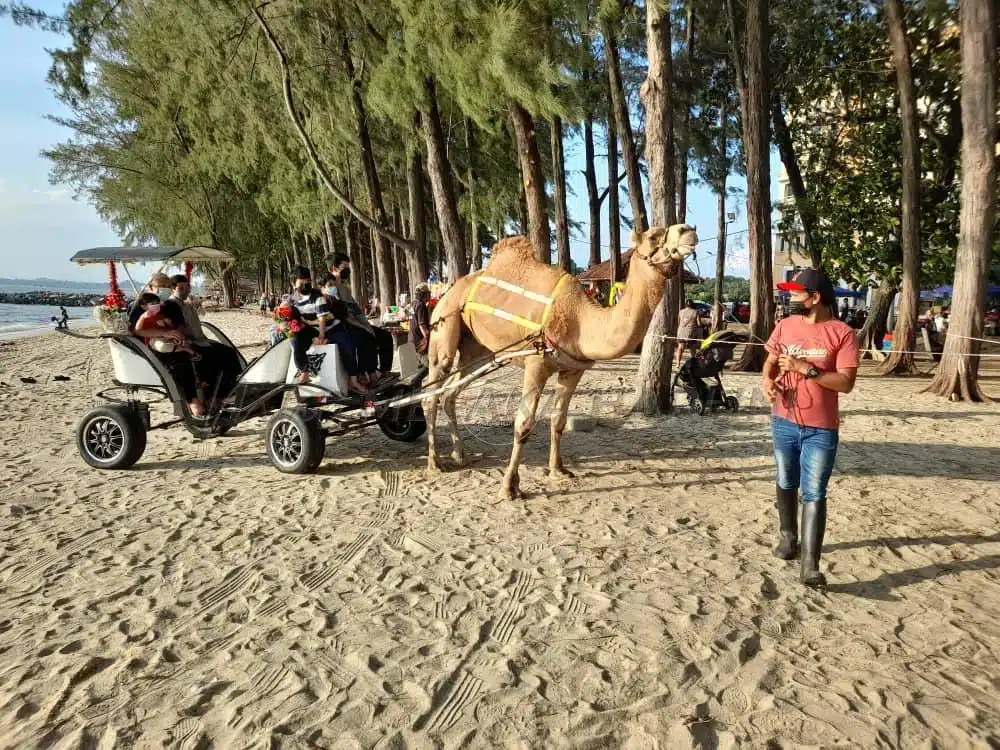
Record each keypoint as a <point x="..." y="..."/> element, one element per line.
<point x="203" y="600"/>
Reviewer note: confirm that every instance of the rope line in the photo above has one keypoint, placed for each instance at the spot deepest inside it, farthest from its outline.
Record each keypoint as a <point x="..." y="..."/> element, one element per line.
<point x="943" y="354"/>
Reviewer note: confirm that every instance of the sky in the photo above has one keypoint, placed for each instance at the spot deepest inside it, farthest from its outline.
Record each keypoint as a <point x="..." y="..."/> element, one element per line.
<point x="42" y="225"/>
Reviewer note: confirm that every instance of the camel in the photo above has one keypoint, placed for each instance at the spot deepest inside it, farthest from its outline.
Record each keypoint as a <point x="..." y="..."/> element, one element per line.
<point x="517" y="299"/>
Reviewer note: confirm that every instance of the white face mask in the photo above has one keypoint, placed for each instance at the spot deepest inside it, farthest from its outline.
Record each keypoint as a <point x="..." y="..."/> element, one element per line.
<point x="163" y="294"/>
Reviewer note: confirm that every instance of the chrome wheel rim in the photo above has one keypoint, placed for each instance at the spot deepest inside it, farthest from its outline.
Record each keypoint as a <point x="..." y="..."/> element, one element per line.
<point x="103" y="439"/>
<point x="286" y="443"/>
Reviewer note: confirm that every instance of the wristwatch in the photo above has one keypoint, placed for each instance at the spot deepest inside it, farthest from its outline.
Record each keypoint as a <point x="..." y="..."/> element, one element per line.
<point x="811" y="373"/>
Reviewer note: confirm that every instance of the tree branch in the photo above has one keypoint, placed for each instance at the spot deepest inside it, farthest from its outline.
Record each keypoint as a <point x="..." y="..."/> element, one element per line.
<point x="604" y="193"/>
<point x="321" y="170"/>
<point x="787" y="150"/>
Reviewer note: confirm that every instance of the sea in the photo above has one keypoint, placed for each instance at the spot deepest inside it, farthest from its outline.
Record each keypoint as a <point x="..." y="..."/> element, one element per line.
<point x="29" y="320"/>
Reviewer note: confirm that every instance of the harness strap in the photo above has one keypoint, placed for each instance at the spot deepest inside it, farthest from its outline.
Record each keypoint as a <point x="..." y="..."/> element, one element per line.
<point x="472" y="306"/>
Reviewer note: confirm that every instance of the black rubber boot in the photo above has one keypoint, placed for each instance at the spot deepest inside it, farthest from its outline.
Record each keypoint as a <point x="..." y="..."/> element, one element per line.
<point x="813" y="528"/>
<point x="787" y="503"/>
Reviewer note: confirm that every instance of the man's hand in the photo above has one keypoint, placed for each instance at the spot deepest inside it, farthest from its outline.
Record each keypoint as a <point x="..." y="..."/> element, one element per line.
<point x="788" y="363"/>
<point x="320" y="341"/>
<point x="771" y="390"/>
<point x="424" y="346"/>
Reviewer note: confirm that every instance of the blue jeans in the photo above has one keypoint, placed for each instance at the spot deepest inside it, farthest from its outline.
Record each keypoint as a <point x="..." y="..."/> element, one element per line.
<point x="804" y="457"/>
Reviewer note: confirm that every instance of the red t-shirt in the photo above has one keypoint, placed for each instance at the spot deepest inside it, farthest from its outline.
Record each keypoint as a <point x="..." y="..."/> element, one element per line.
<point x="154" y="319"/>
<point x="828" y="346"/>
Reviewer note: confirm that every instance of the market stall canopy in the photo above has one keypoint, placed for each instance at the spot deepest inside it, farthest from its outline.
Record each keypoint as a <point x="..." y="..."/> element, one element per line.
<point x="944" y="292"/>
<point x="849" y="293"/>
<point x="192" y="253"/>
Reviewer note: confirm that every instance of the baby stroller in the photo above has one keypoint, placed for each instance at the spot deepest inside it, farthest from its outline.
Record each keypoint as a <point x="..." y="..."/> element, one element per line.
<point x="708" y="362"/>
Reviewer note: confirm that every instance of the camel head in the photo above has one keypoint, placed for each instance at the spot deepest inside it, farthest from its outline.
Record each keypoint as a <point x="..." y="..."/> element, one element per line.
<point x="664" y="249"/>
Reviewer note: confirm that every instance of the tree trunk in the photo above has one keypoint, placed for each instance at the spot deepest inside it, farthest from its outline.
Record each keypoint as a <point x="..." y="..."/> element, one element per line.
<point x="786" y="148"/>
<point x="522" y="213"/>
<point x="684" y="129"/>
<point x="443" y="186"/>
<point x="900" y="361"/>
<point x="755" y="102"/>
<point x="399" y="260"/>
<point x="378" y="279"/>
<point x="475" y="251"/>
<point x="873" y="331"/>
<point x="624" y="128"/>
<point x="312" y="261"/>
<point x="718" y="316"/>
<point x="614" y="210"/>
<point x="363" y="277"/>
<point x="293" y="114"/>
<point x="593" y="201"/>
<point x="382" y="250"/>
<point x="416" y="258"/>
<point x="533" y="181"/>
<point x="357" y="261"/>
<point x="559" y="184"/>
<point x="652" y="389"/>
<point x="331" y="239"/>
<point x="957" y="377"/>
<point x="230" y="283"/>
<point x="296" y="260"/>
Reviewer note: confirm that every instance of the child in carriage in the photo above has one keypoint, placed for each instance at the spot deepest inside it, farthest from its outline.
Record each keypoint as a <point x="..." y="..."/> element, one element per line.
<point x="155" y="326"/>
<point x="312" y="318"/>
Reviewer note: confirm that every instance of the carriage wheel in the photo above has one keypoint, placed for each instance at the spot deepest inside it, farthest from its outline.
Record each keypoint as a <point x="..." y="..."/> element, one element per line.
<point x="111" y="437"/>
<point x="405" y="425"/>
<point x="732" y="403"/>
<point x="295" y="441"/>
<point x="697" y="406"/>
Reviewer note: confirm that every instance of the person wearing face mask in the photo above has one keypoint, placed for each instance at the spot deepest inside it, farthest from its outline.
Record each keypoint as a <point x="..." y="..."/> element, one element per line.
<point x="812" y="359"/>
<point x="170" y="346"/>
<point x="310" y="312"/>
<point x="219" y="364"/>
<point x="340" y="267"/>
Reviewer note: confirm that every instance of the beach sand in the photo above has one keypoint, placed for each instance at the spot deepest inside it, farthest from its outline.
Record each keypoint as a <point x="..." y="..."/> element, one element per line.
<point x="203" y="600"/>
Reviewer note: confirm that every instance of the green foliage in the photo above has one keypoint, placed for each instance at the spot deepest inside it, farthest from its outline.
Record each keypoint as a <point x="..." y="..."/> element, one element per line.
<point x="734" y="289"/>
<point x="179" y="131"/>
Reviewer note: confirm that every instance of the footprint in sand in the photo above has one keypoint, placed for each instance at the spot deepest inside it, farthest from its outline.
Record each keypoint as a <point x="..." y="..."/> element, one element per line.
<point x="185" y="734"/>
<point x="463" y="693"/>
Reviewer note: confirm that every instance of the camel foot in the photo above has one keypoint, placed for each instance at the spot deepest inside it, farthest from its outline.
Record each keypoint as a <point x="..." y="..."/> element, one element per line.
<point x="511" y="489"/>
<point x="433" y="467"/>
<point x="458" y="457"/>
<point x="561" y="472"/>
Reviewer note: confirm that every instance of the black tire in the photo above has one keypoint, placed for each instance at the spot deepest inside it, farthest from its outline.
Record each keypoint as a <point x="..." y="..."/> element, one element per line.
<point x="111" y="437"/>
<point x="405" y="425"/>
<point x="295" y="441"/>
<point x="732" y="403"/>
<point x="697" y="406"/>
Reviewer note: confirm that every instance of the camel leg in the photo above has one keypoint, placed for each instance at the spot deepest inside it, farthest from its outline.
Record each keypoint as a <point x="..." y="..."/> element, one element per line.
<point x="565" y="388"/>
<point x="457" y="448"/>
<point x="535" y="375"/>
<point x="470" y="355"/>
<point x="442" y="355"/>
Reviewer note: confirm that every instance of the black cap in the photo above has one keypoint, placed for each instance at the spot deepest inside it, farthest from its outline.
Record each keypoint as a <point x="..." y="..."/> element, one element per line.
<point x="811" y="280"/>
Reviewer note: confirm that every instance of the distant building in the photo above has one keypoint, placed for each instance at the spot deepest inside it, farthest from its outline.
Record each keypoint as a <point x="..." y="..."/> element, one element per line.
<point x="789" y="253"/>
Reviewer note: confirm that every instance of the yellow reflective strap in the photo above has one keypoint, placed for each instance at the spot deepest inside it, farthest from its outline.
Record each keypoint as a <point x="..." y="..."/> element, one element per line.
<point x="555" y="295"/>
<point x="503" y="314"/>
<point x="470" y="301"/>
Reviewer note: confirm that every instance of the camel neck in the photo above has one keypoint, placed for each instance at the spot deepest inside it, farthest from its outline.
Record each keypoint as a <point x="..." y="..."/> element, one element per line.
<point x="609" y="333"/>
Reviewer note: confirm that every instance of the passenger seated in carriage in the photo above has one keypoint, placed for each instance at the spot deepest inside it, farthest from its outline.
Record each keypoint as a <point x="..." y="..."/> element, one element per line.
<point x="313" y="320"/>
<point x="149" y="321"/>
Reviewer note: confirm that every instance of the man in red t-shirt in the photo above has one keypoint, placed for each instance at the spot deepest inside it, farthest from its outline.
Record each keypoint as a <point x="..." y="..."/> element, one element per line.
<point x="812" y="358"/>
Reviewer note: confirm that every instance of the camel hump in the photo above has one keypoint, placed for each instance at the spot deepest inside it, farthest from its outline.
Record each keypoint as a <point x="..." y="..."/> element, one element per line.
<point x="513" y="248"/>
